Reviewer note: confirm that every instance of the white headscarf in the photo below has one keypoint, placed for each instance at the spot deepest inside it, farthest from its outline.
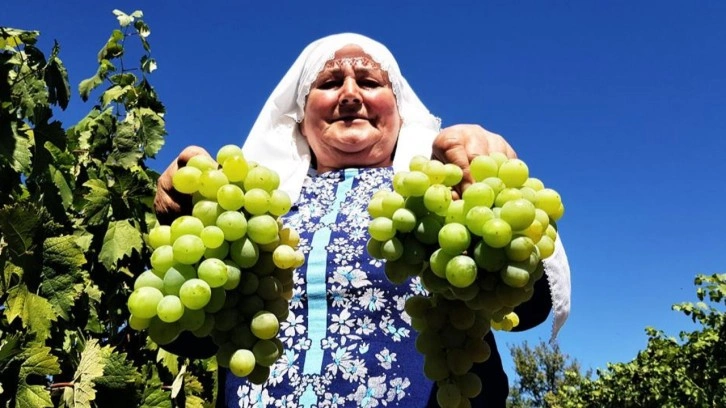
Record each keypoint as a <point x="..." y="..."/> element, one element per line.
<point x="275" y="140"/>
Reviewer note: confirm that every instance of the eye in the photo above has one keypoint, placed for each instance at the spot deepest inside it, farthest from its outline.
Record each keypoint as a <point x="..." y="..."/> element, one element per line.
<point x="329" y="84"/>
<point x="368" y="83"/>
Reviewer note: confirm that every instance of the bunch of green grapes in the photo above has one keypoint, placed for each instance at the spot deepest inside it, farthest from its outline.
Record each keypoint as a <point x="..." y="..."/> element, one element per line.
<point x="478" y="257"/>
<point x="224" y="271"/>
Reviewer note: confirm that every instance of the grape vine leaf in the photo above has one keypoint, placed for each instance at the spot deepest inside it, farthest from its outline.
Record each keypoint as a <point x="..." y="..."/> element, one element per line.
<point x="121" y="240"/>
<point x="17" y="225"/>
<point x="37" y="361"/>
<point x="63" y="278"/>
<point x="35" y="312"/>
<point x="118" y="373"/>
<point x="98" y="202"/>
<point x="89" y="368"/>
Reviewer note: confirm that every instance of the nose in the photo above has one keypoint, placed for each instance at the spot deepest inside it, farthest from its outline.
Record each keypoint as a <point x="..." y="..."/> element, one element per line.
<point x="350" y="92"/>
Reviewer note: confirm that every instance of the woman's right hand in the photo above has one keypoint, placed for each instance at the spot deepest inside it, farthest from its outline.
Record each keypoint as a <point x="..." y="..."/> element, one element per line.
<point x="169" y="203"/>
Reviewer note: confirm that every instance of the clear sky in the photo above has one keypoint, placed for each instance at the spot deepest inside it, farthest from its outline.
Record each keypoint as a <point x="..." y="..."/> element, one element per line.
<point x="619" y="105"/>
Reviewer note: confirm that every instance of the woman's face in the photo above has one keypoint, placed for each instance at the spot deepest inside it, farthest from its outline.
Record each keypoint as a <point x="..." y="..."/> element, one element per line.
<point x="351" y="117"/>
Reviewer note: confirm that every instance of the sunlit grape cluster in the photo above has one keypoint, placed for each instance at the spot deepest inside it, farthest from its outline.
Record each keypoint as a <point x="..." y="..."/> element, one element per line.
<point x="224" y="271"/>
<point x="478" y="257"/>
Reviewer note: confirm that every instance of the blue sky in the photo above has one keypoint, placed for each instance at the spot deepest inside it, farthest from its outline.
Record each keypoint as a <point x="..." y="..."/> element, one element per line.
<point x="620" y="106"/>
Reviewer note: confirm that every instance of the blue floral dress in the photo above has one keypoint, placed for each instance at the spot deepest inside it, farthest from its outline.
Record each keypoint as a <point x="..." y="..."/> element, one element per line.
<point x="348" y="341"/>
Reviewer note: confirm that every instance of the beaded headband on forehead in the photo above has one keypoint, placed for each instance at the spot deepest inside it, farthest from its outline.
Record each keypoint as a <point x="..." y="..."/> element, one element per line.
<point x="351" y="61"/>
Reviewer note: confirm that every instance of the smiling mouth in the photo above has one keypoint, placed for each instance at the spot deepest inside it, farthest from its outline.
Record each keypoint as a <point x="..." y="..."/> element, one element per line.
<point x="349" y="118"/>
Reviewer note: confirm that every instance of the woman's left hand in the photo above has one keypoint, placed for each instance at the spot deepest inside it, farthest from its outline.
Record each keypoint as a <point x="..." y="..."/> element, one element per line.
<point x="459" y="144"/>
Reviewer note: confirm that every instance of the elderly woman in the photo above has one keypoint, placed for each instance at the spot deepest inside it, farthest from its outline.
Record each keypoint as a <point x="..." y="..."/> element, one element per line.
<point x="336" y="127"/>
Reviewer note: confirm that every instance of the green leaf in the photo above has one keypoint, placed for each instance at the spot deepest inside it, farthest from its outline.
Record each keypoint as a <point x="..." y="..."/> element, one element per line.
<point x="32" y="396"/>
<point x="8" y="273"/>
<point x="98" y="202"/>
<point x="63" y="252"/>
<point x="89" y="368"/>
<point x="62" y="290"/>
<point x="10" y="347"/>
<point x="88" y="85"/>
<point x="56" y="79"/>
<point x="35" y="312"/>
<point x="168" y="360"/>
<point x="38" y="361"/>
<point x="151" y="131"/>
<point x="121" y="240"/>
<point x="16" y="149"/>
<point x="114" y="93"/>
<point x="18" y="224"/>
<point x="119" y="372"/>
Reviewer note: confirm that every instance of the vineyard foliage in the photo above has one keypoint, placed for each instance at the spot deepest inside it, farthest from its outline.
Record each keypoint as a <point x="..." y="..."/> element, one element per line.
<point x="75" y="205"/>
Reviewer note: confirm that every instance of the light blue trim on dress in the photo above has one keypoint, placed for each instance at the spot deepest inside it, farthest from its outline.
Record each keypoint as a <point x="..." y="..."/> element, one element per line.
<point x="317" y="289"/>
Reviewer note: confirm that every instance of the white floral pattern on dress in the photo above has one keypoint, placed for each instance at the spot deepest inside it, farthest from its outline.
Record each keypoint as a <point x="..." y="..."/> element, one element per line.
<point x="369" y="357"/>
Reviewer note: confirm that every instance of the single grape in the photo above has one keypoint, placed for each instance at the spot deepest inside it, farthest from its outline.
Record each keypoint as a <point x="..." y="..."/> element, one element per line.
<point x="227" y="151"/>
<point x="262" y="229"/>
<point x="159" y="235"/>
<point x="435" y="170"/>
<point x="150" y="279"/>
<point x="456" y="212"/>
<point x="549" y="201"/>
<point x="244" y="252"/>
<point x="454" y="238"/>
<point x="437" y="198"/>
<point x="257" y="201"/>
<point x="169" y="309"/>
<point x="138" y="323"/>
<point x="185" y="225"/>
<point x="476" y="217"/>
<point x="212" y="236"/>
<point x="518" y="213"/>
<point x="263" y="178"/>
<point x="188" y="249"/>
<point x="513" y="172"/>
<point x="496" y="233"/>
<point x="202" y="162"/>
<point x="230" y="197"/>
<point x="392" y="249"/>
<point x="195" y="293"/>
<point x="207" y="211"/>
<point x="142" y="302"/>
<point x="284" y="257"/>
<point x="483" y="166"/>
<point x="210" y="181"/>
<point x="381" y="229"/>
<point x="163" y="333"/>
<point x="414" y="184"/>
<point x="391" y="202"/>
<point x="266" y="352"/>
<point x="162" y="258"/>
<point x="213" y="271"/>
<point x="233" y="224"/>
<point x="280" y="203"/>
<point x="192" y="319"/>
<point x="264" y="325"/>
<point x="242" y="362"/>
<point x="236" y="169"/>
<point x="418" y="162"/>
<point x="186" y="180"/>
<point x="453" y="175"/>
<point x="461" y="271"/>
<point x="478" y="194"/>
<point x="515" y="276"/>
